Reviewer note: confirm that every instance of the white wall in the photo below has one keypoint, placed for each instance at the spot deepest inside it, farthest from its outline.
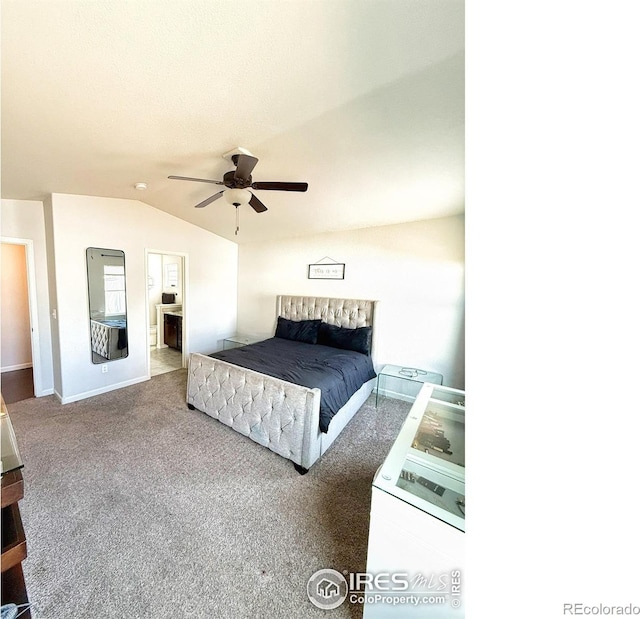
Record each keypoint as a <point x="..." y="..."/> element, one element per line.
<point x="414" y="270"/>
<point x="15" y="329"/>
<point x="24" y="219"/>
<point x="79" y="222"/>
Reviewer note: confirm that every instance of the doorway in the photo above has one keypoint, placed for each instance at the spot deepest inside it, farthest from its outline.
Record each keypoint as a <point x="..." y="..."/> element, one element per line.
<point x="166" y="316"/>
<point x="20" y="349"/>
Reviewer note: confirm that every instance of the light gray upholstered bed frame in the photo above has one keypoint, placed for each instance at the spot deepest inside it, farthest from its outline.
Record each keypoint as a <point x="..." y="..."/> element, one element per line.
<point x="274" y="413"/>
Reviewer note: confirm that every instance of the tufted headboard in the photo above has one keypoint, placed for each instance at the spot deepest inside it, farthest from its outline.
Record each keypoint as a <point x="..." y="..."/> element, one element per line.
<point x="350" y="313"/>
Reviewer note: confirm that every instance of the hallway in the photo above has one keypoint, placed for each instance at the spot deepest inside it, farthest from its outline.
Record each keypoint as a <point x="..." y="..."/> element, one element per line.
<point x="17" y="385"/>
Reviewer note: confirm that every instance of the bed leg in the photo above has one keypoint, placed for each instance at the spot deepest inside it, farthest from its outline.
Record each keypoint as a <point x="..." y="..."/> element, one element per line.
<point x="300" y="469"/>
<point x="191" y="407"/>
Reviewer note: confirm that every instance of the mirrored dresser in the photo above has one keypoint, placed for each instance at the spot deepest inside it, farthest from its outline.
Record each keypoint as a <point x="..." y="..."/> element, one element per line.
<point x="14" y="543"/>
<point x="418" y="511"/>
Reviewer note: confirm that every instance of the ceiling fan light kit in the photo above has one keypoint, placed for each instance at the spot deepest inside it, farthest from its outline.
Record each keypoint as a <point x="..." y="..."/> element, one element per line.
<point x="237" y="197"/>
<point x="238" y="182"/>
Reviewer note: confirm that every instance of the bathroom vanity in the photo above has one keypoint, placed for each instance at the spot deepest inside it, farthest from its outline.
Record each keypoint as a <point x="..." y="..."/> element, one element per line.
<point x="173" y="330"/>
<point x="162" y="309"/>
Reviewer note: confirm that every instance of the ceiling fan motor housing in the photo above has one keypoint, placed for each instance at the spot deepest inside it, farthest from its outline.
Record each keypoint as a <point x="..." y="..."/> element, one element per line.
<point x="235" y="183"/>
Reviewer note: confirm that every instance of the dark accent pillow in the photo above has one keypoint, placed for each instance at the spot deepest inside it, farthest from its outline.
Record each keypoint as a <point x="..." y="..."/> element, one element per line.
<point x="298" y="330"/>
<point x="348" y="339"/>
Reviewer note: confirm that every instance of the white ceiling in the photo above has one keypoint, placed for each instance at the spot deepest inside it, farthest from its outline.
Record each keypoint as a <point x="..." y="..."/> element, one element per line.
<point x="362" y="99"/>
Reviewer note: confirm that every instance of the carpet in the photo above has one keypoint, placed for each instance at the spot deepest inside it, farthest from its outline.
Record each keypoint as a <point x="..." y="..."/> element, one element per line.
<point x="137" y="507"/>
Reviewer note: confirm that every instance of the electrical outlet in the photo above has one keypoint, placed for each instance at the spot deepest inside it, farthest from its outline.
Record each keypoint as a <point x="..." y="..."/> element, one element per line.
<point x="105" y="368"/>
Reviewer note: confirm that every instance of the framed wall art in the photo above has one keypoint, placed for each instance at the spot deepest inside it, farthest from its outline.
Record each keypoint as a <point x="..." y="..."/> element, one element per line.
<point x="333" y="270"/>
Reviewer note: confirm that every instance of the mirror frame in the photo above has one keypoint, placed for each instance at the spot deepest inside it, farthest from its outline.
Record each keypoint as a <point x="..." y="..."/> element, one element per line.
<point x="109" y="337"/>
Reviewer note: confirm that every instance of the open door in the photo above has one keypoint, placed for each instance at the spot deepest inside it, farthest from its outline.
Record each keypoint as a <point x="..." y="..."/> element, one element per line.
<point x="20" y="344"/>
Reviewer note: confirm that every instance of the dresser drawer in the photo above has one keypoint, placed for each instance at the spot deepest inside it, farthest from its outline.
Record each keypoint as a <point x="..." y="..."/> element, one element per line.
<point x="14" y="542"/>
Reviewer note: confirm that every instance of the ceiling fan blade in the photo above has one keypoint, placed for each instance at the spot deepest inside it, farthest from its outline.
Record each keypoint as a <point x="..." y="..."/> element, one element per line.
<point x="209" y="200"/>
<point x="257" y="206"/>
<point x="280" y="186"/>
<point x="244" y="166"/>
<point x="199" y="180"/>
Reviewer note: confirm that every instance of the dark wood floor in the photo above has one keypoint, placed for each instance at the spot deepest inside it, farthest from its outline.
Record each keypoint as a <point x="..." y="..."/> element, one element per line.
<point x="17" y="385"/>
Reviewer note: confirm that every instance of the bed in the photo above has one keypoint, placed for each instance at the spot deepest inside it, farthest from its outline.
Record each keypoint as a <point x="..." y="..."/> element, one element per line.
<point x="109" y="338"/>
<point x="297" y="421"/>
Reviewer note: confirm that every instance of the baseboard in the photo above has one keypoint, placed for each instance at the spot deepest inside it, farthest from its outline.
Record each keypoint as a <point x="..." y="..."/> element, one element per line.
<point x="101" y="390"/>
<point x="13" y="368"/>
<point x="45" y="392"/>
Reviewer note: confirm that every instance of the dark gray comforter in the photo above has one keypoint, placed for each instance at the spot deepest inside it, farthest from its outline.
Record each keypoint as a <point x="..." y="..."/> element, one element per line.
<point x="337" y="373"/>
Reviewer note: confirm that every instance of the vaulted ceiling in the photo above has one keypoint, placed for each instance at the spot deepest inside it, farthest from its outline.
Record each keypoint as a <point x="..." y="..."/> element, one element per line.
<point x="362" y="99"/>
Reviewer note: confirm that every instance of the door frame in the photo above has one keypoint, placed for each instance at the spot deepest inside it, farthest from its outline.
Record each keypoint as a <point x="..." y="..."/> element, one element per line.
<point x="33" y="310"/>
<point x="185" y="300"/>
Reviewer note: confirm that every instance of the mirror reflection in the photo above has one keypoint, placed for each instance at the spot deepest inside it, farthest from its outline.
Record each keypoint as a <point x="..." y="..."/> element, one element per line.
<point x="107" y="304"/>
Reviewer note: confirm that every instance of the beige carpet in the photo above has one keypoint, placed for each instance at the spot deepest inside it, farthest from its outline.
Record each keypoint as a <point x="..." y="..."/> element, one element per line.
<point x="137" y="507"/>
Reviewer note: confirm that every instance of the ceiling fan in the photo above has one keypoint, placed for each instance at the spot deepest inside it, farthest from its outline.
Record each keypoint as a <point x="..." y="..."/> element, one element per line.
<point x="239" y="181"/>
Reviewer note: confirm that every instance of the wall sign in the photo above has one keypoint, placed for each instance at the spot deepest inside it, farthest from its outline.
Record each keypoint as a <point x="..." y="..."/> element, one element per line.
<point x="333" y="270"/>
